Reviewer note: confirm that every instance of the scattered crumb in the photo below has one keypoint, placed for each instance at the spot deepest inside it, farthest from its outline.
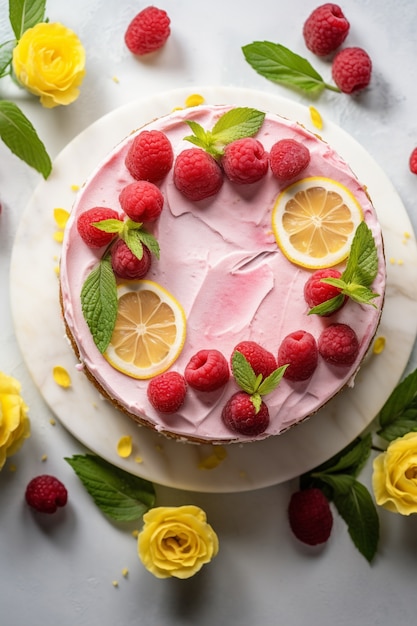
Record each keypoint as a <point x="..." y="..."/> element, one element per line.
<point x="379" y="345"/>
<point x="316" y="118"/>
<point x="194" y="100"/>
<point x="59" y="236"/>
<point x="125" y="572"/>
<point x="44" y="457"/>
<point x="396" y="261"/>
<point x="61" y="217"/>
<point x="115" y="583"/>
<point x="218" y="454"/>
<point x="158" y="447"/>
<point x="138" y="459"/>
<point x="400" y="262"/>
<point x="124" y="446"/>
<point x="135" y="533"/>
<point x="52" y="421"/>
<point x="61" y="376"/>
<point x="12" y="467"/>
<point x="56" y="270"/>
<point x="75" y="187"/>
<point x="115" y="80"/>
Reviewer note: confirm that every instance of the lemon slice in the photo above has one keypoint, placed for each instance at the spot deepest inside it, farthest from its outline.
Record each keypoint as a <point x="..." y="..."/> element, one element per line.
<point x="149" y="332"/>
<point x="314" y="221"/>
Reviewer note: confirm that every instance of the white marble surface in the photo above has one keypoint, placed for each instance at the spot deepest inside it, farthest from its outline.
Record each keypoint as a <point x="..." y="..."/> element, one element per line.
<point x="62" y="568"/>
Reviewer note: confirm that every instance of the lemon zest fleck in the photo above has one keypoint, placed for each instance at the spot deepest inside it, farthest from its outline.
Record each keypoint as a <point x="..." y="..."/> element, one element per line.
<point x="59" y="236"/>
<point x="218" y="455"/>
<point x="194" y="100"/>
<point x="61" y="376"/>
<point x="75" y="187"/>
<point x="316" y="118"/>
<point x="124" y="446"/>
<point x="379" y="345"/>
<point x="61" y="217"/>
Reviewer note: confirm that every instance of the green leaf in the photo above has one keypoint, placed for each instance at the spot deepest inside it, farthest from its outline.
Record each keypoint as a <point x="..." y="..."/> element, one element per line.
<point x="243" y="373"/>
<point x="21" y="138"/>
<point x="280" y="65"/>
<point x="398" y="429"/>
<point x="400" y="399"/>
<point x="352" y="459"/>
<point x="272" y="381"/>
<point x="362" y="264"/>
<point x="135" y="238"/>
<point x="109" y="226"/>
<point x="329" y="306"/>
<point x="6" y="53"/>
<point x="99" y="303"/>
<point x="25" y="14"/>
<point x="150" y="242"/>
<point x="120" y="495"/>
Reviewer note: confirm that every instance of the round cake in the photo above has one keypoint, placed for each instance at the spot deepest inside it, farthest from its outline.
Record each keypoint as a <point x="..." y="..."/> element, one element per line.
<point x="226" y="265"/>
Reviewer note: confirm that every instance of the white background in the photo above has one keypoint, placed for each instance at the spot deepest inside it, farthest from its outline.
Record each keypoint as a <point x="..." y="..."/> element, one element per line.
<point x="60" y="569"/>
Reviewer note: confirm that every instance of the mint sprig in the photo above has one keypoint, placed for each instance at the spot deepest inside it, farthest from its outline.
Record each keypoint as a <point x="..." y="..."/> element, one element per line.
<point x="254" y="385"/>
<point x="337" y="478"/>
<point x="280" y="65"/>
<point x="359" y="274"/>
<point x="99" y="303"/>
<point x="132" y="233"/>
<point x="237" y="123"/>
<point x="120" y="495"/>
<point x="398" y="416"/>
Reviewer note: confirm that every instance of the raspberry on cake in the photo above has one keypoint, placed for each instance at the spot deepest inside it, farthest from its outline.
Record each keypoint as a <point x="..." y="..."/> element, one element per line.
<point x="126" y="264"/>
<point x="288" y="158"/>
<point x="90" y="234"/>
<point x="142" y="201"/>
<point x="229" y="280"/>
<point x="245" y="161"/>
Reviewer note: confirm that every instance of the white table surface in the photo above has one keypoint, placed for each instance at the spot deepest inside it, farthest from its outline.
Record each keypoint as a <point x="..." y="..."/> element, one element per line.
<point x="60" y="569"/>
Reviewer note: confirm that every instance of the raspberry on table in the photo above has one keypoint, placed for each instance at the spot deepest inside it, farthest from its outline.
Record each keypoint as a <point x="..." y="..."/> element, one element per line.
<point x="45" y="493"/>
<point x="197" y="175"/>
<point x="245" y="161"/>
<point x="126" y="265"/>
<point x="288" y="158"/>
<point x="338" y="345"/>
<point x="413" y="161"/>
<point x="142" y="201"/>
<point x="325" y="29"/>
<point x="261" y="360"/>
<point x="299" y="350"/>
<point x="167" y="391"/>
<point x="148" y="31"/>
<point x="92" y="236"/>
<point x="316" y="292"/>
<point x="150" y="156"/>
<point x="310" y="516"/>
<point x="239" y="415"/>
<point x="207" y="370"/>
<point x="351" y="70"/>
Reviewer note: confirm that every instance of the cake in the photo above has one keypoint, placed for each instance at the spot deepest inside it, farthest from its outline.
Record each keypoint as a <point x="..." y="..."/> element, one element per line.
<point x="227" y="272"/>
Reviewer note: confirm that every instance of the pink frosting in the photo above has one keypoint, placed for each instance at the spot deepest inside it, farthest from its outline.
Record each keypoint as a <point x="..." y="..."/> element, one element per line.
<point x="220" y="260"/>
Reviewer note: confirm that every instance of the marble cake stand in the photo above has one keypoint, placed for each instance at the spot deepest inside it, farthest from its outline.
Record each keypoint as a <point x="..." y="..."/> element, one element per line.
<point x="94" y="422"/>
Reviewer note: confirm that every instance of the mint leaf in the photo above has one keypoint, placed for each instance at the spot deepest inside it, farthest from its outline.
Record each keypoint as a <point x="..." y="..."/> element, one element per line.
<point x="120" y="495"/>
<point x="350" y="460"/>
<point x="243" y="373"/>
<point x="400" y="406"/>
<point x="99" y="303"/>
<point x="280" y="65"/>
<point x="135" y="237"/>
<point x="329" y="306"/>
<point x="24" y="14"/>
<point x="362" y="264"/>
<point x="6" y="53"/>
<point x="109" y="226"/>
<point x="272" y="381"/>
<point x="21" y="138"/>
<point x="399" y="428"/>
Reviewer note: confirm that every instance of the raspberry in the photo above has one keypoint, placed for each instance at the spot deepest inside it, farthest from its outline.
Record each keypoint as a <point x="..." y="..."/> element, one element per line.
<point x="148" y="31"/>
<point x="46" y="493"/>
<point x="239" y="415"/>
<point x="288" y="158"/>
<point x="166" y="392"/>
<point x="261" y="361"/>
<point x="326" y="29"/>
<point x="316" y="292"/>
<point x="126" y="265"/>
<point x="299" y="350"/>
<point x="310" y="517"/>
<point x="92" y="236"/>
<point x="150" y="156"/>
<point x="141" y="201"/>
<point x="351" y="69"/>
<point x="413" y="161"/>
<point x="338" y="344"/>
<point x="197" y="175"/>
<point x="245" y="161"/>
<point x="207" y="370"/>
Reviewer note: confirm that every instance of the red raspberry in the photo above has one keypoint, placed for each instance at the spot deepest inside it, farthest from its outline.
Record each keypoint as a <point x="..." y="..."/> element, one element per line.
<point x="351" y="69"/>
<point x="299" y="350"/>
<point x="197" y="175"/>
<point x="148" y="31"/>
<point x="261" y="360"/>
<point x="46" y="493"/>
<point x="316" y="292"/>
<point x="245" y="161"/>
<point x="126" y="265"/>
<point x="92" y="236"/>
<point x="310" y="517"/>
<point x="288" y="158"/>
<point x="326" y="29"/>
<point x="141" y="201"/>
<point x="239" y="415"/>
<point x="166" y="392"/>
<point x="207" y="370"/>
<point x="150" y="156"/>
<point x="413" y="161"/>
<point x="338" y="344"/>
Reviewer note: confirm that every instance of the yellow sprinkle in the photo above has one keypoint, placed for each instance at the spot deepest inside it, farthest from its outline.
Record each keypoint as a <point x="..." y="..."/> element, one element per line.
<point x="138" y="459"/>
<point x="61" y="217"/>
<point x="194" y="100"/>
<point x="177" y="109"/>
<point x="115" y="583"/>
<point x="75" y="187"/>
<point x="135" y="533"/>
<point x="52" y="421"/>
<point x="59" y="236"/>
<point x="125" y="572"/>
<point x="56" y="270"/>
<point x="61" y="376"/>
<point x="400" y="262"/>
<point x="392" y="260"/>
<point x="316" y="118"/>
<point x="12" y="467"/>
<point x="379" y="345"/>
<point x="124" y="446"/>
<point x="213" y="460"/>
<point x="43" y="458"/>
<point x="407" y="235"/>
<point x="115" y="80"/>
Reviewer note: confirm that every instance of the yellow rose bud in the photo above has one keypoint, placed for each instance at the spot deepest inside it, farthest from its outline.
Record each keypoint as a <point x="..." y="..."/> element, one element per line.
<point x="394" y="477"/>
<point x="14" y="421"/>
<point x="176" y="541"/>
<point x="49" y="61"/>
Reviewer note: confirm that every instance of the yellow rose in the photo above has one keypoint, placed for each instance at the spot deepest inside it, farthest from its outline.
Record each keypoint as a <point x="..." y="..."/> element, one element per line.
<point x="394" y="477"/>
<point x="176" y="541"/>
<point x="14" y="421"/>
<point x="49" y="62"/>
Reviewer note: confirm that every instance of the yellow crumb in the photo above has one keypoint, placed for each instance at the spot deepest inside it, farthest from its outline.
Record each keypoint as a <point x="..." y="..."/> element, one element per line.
<point x="135" y="533"/>
<point x="407" y="235"/>
<point x="379" y="345"/>
<point x="400" y="262"/>
<point x="52" y="421"/>
<point x="115" y="80"/>
<point x="138" y="459"/>
<point x="59" y="236"/>
<point x="43" y="458"/>
<point x="124" y="446"/>
<point x="61" y="217"/>
<point x="61" y="376"/>
<point x="125" y="572"/>
<point x="12" y="467"/>
<point x="115" y="583"/>
<point x="56" y="270"/>
<point x="194" y="100"/>
<point x="158" y="447"/>
<point x="75" y="187"/>
<point x="214" y="459"/>
<point x="316" y="118"/>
